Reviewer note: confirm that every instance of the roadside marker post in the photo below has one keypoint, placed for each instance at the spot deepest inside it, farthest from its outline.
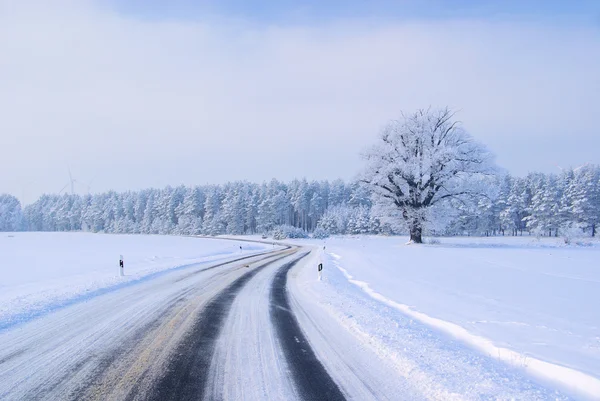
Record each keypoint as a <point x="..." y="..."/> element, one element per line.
<point x="121" y="266"/>
<point x="320" y="265"/>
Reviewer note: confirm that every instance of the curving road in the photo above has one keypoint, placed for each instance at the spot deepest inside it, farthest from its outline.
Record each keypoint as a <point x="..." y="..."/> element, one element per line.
<point x="216" y="332"/>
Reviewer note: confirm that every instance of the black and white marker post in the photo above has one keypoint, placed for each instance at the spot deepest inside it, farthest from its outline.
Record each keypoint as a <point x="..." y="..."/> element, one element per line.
<point x="320" y="265"/>
<point x="121" y="266"/>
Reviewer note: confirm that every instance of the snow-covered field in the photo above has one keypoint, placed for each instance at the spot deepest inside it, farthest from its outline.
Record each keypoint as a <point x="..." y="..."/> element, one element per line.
<point x="465" y="319"/>
<point x="533" y="304"/>
<point x="40" y="272"/>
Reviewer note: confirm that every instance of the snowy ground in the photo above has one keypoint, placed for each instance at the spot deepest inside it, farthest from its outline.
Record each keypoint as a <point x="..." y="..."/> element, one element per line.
<point x="531" y="304"/>
<point x="40" y="272"/>
<point x="387" y="322"/>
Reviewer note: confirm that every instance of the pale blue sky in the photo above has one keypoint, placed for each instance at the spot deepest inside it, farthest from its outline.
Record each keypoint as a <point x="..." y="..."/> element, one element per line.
<point x="318" y="10"/>
<point x="148" y="93"/>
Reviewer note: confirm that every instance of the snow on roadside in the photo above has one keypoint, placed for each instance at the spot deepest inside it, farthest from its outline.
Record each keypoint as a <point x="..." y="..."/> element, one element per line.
<point x="407" y="355"/>
<point x="42" y="271"/>
<point x="529" y="302"/>
<point x="567" y="378"/>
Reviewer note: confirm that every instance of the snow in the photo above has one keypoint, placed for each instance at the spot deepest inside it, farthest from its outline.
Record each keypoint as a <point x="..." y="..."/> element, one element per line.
<point x="113" y="344"/>
<point x="248" y="339"/>
<point x="529" y="303"/>
<point x="465" y="319"/>
<point x="42" y="271"/>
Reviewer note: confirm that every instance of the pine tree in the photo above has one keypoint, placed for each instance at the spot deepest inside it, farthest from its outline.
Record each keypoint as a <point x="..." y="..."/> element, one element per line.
<point x="11" y="216"/>
<point x="586" y="198"/>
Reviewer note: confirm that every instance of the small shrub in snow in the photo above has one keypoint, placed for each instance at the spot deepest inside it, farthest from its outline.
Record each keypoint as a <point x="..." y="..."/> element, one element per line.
<point x="295" y="232"/>
<point x="320" y="233"/>
<point x="571" y="234"/>
<point x="285" y="231"/>
<point x="278" y="234"/>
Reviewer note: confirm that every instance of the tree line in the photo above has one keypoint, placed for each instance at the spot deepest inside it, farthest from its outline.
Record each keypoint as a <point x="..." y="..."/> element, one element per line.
<point x="233" y="208"/>
<point x="540" y="204"/>
<point x="565" y="204"/>
<point x="425" y="175"/>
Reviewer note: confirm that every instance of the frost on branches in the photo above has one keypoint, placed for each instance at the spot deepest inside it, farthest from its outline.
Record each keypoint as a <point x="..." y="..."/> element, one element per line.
<point x="11" y="217"/>
<point x="420" y="161"/>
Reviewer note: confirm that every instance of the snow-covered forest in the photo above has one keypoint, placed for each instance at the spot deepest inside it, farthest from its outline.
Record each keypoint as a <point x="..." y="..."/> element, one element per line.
<point x="541" y="204"/>
<point x="425" y="175"/>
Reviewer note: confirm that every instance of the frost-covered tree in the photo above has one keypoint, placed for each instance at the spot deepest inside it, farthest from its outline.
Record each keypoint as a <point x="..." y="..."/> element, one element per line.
<point x="359" y="221"/>
<point x="280" y="206"/>
<point x="148" y="217"/>
<point x="338" y="193"/>
<point x="585" y="197"/>
<point x="328" y="224"/>
<point x="516" y="205"/>
<point x="420" y="160"/>
<point x="212" y="224"/>
<point x="189" y="219"/>
<point x="316" y="209"/>
<point x="265" y="218"/>
<point x="544" y="209"/>
<point x="11" y="216"/>
<point x="251" y="210"/>
<point x="336" y="220"/>
<point x="233" y="209"/>
<point x="359" y="195"/>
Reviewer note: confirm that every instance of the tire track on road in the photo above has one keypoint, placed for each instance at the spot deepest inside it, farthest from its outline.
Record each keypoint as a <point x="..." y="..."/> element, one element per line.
<point x="310" y="377"/>
<point x="137" y="370"/>
<point x="266" y="254"/>
<point x="99" y="349"/>
<point x="188" y="371"/>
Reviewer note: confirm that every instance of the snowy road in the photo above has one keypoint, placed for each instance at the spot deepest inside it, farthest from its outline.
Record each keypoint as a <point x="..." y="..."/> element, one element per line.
<point x="119" y="345"/>
<point x="258" y="327"/>
<point x="202" y="333"/>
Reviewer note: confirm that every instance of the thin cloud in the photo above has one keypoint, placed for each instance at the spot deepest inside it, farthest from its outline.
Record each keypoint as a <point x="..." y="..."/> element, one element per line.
<point x="140" y="103"/>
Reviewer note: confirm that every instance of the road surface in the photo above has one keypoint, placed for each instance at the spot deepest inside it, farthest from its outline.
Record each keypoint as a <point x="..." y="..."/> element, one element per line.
<point x="177" y="337"/>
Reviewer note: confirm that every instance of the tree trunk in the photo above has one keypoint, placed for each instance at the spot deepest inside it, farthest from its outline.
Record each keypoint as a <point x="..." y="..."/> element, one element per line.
<point x="593" y="230"/>
<point x="416" y="232"/>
